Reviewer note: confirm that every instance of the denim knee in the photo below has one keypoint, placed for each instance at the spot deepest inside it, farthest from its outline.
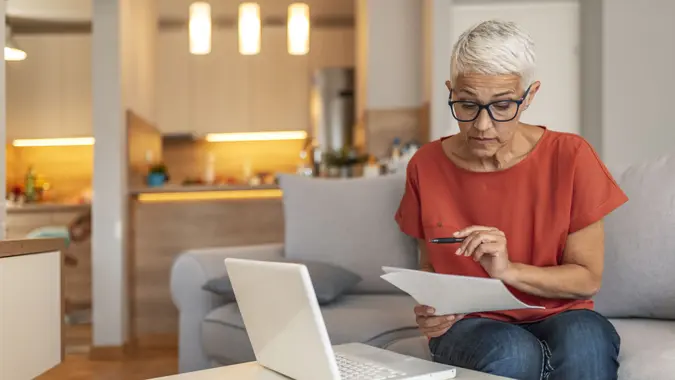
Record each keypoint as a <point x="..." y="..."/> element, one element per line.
<point x="583" y="344"/>
<point x="492" y="347"/>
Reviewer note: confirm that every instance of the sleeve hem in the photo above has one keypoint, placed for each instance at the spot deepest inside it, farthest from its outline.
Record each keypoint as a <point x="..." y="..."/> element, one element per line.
<point x="598" y="213"/>
<point x="406" y="229"/>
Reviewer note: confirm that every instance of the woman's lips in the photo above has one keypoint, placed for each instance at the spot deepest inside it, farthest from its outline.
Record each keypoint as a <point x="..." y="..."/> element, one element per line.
<point x="483" y="140"/>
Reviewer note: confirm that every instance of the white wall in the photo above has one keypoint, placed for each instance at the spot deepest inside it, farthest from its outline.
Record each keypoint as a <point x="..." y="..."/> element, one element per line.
<point x="110" y="182"/>
<point x="139" y="30"/>
<point x="638" y="80"/>
<point x="122" y="79"/>
<point x="389" y="51"/>
<point x="554" y="26"/>
<point x="3" y="135"/>
<point x="437" y="46"/>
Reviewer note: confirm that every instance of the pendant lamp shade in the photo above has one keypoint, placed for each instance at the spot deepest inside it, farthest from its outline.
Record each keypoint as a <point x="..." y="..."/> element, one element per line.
<point x="12" y="51"/>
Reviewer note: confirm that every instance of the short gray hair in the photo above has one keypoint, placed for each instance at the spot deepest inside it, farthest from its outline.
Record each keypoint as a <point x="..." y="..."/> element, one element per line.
<point x="494" y="48"/>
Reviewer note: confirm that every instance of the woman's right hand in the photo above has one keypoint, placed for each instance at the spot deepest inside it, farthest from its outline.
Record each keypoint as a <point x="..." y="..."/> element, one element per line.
<point x="432" y="325"/>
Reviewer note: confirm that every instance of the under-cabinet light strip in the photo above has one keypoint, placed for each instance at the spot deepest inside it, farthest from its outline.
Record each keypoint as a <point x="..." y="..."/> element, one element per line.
<point x="256" y="136"/>
<point x="210" y="195"/>
<point x="70" y="141"/>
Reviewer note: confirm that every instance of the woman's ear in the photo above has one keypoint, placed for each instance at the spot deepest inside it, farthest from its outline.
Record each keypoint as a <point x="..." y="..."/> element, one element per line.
<point x="448" y="85"/>
<point x="534" y="88"/>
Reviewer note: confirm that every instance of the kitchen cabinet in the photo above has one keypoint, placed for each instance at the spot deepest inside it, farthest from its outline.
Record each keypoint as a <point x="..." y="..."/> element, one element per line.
<point x="280" y="85"/>
<point x="49" y="94"/>
<point x="173" y="82"/>
<point x="225" y="91"/>
<point x="219" y="93"/>
<point x="332" y="47"/>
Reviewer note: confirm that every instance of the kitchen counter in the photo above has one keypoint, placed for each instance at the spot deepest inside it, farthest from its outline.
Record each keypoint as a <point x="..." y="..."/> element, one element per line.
<point x="22" y="220"/>
<point x="198" y="188"/>
<point x="178" y="193"/>
<point x="47" y="207"/>
<point x="166" y="221"/>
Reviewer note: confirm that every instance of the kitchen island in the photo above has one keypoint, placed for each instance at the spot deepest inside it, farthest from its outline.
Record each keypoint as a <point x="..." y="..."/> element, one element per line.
<point x="168" y="220"/>
<point x="23" y="219"/>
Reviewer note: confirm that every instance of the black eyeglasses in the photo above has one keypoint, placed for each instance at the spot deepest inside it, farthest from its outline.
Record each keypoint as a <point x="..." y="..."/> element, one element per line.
<point x="499" y="110"/>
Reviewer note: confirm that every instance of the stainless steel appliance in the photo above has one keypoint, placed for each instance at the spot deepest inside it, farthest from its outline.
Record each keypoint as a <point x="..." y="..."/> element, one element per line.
<point x="332" y="113"/>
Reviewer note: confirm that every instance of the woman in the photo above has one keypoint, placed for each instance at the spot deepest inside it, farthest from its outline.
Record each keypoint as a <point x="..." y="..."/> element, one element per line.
<point x="80" y="228"/>
<point x="530" y="204"/>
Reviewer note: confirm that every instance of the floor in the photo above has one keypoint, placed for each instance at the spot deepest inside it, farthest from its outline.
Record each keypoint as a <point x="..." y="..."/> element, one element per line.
<point x="145" y="364"/>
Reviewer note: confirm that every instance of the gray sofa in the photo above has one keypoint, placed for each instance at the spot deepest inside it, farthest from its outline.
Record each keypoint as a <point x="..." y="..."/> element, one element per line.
<point x="350" y="223"/>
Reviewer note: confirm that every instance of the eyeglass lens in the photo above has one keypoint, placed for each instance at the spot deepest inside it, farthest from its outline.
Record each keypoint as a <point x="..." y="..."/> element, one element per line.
<point x="499" y="111"/>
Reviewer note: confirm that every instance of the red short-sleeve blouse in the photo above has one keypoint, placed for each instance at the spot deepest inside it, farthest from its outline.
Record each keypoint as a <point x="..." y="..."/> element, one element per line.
<point x="559" y="188"/>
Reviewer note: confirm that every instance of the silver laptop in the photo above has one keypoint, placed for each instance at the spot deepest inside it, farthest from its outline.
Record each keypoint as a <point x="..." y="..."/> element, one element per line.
<point x="284" y="323"/>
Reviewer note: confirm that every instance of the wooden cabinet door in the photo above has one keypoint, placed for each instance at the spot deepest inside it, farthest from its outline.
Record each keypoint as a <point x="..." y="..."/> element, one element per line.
<point x="76" y="89"/>
<point x="173" y="82"/>
<point x="280" y="85"/>
<point x="331" y="47"/>
<point x="236" y="75"/>
<point x="34" y="107"/>
<point x="219" y="96"/>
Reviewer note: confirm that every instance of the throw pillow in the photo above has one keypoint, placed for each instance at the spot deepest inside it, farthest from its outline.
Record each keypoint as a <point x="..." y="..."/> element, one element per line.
<point x="640" y="245"/>
<point x="350" y="223"/>
<point x="329" y="281"/>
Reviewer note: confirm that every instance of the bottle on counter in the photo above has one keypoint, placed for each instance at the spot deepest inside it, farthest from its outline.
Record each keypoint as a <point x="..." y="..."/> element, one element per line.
<point x="372" y="168"/>
<point x="396" y="149"/>
<point x="304" y="167"/>
<point x="29" y="185"/>
<point x="210" y="169"/>
<point x="394" y="156"/>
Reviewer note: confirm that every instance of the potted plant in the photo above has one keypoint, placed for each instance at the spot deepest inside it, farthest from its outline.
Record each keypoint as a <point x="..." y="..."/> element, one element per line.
<point x="344" y="161"/>
<point x="157" y="175"/>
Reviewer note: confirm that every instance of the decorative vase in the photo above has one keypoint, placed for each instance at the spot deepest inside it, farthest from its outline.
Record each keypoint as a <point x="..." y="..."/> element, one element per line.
<point x="156" y="179"/>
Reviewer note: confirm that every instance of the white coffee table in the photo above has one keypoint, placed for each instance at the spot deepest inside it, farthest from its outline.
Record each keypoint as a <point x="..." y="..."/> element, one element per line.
<point x="252" y="371"/>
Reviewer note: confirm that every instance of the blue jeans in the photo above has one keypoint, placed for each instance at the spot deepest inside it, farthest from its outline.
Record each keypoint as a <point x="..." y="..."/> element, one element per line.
<point x="573" y="345"/>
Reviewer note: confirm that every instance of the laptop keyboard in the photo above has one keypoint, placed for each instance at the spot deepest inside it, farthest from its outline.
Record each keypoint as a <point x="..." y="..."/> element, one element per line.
<point x="356" y="370"/>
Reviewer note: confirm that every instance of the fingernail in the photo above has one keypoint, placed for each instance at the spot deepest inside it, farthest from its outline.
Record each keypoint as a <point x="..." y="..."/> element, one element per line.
<point x="450" y="317"/>
<point x="431" y="310"/>
<point x="458" y="251"/>
<point x="456" y="233"/>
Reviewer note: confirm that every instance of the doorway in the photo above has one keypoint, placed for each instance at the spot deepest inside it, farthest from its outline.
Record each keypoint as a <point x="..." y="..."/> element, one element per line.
<point x="554" y="26"/>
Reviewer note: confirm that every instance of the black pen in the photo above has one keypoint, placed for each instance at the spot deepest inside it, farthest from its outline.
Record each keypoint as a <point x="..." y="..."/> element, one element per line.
<point x="446" y="240"/>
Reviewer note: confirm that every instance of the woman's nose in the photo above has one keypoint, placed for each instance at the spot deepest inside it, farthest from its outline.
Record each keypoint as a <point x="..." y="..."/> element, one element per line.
<point x="483" y="122"/>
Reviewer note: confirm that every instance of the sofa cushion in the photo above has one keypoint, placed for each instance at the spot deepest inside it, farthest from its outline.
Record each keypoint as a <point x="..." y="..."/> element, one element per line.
<point x="373" y="319"/>
<point x="350" y="223"/>
<point x="647" y="348"/>
<point x="329" y="281"/>
<point x="640" y="245"/>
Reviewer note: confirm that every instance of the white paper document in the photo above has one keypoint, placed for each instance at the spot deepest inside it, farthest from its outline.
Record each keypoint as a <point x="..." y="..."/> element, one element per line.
<point x="450" y="294"/>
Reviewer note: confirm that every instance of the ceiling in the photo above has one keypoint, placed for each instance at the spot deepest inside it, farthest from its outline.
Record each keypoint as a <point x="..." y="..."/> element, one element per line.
<point x="50" y="10"/>
<point x="178" y="9"/>
<point x="80" y="10"/>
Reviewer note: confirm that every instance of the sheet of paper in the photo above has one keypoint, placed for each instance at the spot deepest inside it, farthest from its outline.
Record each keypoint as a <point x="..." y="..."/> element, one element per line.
<point x="450" y="294"/>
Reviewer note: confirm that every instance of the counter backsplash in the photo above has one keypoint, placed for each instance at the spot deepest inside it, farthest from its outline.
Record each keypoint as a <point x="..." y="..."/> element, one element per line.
<point x="67" y="170"/>
<point x="232" y="161"/>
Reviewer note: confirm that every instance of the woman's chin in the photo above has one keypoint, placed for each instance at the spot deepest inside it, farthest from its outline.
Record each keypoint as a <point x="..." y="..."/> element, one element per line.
<point x="483" y="149"/>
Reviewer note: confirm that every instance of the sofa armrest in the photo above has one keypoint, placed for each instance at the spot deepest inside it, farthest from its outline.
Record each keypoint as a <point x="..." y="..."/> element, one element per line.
<point x="191" y="270"/>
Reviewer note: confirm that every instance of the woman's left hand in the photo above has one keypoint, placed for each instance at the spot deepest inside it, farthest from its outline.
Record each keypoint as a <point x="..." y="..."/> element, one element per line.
<point x="486" y="245"/>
